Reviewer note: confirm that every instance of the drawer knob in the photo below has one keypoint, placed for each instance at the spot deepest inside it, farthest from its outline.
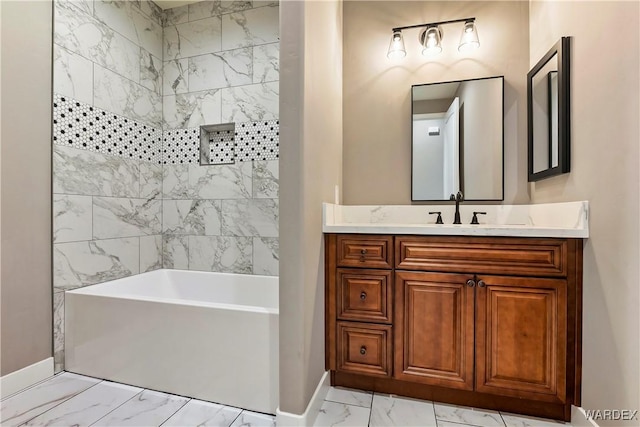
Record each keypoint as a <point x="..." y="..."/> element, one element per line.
<point x="363" y="251"/>
<point x="363" y="295"/>
<point x="471" y="283"/>
<point x="481" y="283"/>
<point x="363" y="350"/>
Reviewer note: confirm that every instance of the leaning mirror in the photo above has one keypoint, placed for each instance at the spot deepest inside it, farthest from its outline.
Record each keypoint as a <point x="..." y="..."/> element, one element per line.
<point x="548" y="113"/>
<point x="457" y="140"/>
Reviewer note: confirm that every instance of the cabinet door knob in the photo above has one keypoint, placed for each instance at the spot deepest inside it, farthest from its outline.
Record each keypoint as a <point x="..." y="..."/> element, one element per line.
<point x="363" y="350"/>
<point x="471" y="283"/>
<point x="363" y="295"/>
<point x="481" y="283"/>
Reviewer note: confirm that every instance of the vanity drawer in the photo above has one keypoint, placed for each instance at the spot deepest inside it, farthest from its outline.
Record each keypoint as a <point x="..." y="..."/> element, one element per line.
<point x="365" y="295"/>
<point x="494" y="255"/>
<point x="365" y="251"/>
<point x="364" y="348"/>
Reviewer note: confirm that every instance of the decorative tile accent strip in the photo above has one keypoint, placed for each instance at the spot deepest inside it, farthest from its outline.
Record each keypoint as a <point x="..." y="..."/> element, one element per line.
<point x="80" y="125"/>
<point x="221" y="144"/>
<point x="257" y="140"/>
<point x="253" y="141"/>
<point x="181" y="146"/>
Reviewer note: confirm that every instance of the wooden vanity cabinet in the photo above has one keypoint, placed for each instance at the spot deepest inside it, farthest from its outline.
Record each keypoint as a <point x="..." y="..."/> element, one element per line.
<point x="490" y="322"/>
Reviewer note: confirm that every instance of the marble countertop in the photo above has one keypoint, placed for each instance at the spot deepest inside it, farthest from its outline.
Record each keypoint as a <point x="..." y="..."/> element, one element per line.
<point x="564" y="220"/>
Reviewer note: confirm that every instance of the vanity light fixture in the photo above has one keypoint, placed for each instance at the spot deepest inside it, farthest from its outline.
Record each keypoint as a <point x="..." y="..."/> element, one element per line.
<point x="430" y="38"/>
<point x="396" y="47"/>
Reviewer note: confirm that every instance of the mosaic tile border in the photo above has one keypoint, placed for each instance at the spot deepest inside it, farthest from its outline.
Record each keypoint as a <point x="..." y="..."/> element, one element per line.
<point x="80" y="125"/>
<point x="83" y="126"/>
<point x="253" y="141"/>
<point x="222" y="147"/>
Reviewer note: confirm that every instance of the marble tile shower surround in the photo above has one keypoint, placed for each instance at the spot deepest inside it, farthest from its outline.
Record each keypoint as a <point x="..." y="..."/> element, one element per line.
<point x="221" y="66"/>
<point x="133" y="75"/>
<point x="221" y="63"/>
<point x="109" y="54"/>
<point x="222" y="218"/>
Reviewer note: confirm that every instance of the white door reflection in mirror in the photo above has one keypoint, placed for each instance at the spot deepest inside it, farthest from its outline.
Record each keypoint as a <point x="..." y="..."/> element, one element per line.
<point x="452" y="150"/>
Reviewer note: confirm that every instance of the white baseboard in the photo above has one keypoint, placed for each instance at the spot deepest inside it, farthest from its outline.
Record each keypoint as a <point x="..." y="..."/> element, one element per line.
<point x="308" y="418"/>
<point x="579" y="418"/>
<point x="25" y="377"/>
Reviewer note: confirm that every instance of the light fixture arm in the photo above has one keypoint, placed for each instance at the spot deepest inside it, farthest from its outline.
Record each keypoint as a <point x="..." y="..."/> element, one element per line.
<point x="433" y="24"/>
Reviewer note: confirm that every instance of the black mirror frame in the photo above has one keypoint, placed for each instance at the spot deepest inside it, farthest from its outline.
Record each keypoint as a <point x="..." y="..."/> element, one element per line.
<point x="563" y="49"/>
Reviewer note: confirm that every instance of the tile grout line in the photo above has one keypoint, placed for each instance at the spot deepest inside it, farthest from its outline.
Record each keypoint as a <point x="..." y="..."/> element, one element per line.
<point x="117" y="407"/>
<point x="63" y="401"/>
<point x="504" y="423"/>
<point x="31" y="386"/>
<point x="189" y="399"/>
<point x="238" y="416"/>
<point x="107" y="238"/>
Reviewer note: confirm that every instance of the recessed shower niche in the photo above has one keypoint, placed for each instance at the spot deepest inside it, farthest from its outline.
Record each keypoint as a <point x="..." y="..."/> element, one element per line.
<point x="217" y="144"/>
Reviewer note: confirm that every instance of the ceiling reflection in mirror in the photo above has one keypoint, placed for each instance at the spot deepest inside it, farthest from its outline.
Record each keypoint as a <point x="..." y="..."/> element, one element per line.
<point x="457" y="140"/>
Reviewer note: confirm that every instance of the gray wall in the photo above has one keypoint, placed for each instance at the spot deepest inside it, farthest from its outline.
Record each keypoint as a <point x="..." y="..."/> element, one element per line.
<point x="26" y="184"/>
<point x="377" y="90"/>
<point x="311" y="167"/>
<point x="604" y="170"/>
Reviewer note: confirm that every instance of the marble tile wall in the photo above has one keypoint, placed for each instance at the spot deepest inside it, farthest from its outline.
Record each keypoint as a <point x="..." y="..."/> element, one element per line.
<point x="221" y="65"/>
<point x="109" y="54"/>
<point x="107" y="152"/>
<point x="222" y="217"/>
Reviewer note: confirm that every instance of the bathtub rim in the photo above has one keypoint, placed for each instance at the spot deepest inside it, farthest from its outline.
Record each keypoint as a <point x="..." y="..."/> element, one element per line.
<point x="86" y="291"/>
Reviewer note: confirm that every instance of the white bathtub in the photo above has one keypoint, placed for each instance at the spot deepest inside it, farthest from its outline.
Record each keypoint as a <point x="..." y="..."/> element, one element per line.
<point x="211" y="336"/>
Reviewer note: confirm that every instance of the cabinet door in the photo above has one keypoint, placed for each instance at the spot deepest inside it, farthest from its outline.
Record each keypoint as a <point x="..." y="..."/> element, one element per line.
<point x="434" y="329"/>
<point x="521" y="337"/>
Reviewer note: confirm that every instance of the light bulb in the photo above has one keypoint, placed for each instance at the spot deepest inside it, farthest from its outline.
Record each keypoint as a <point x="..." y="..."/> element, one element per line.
<point x="469" y="39"/>
<point x="396" y="46"/>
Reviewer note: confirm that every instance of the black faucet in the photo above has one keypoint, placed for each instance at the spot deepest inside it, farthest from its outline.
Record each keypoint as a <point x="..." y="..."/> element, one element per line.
<point x="457" y="198"/>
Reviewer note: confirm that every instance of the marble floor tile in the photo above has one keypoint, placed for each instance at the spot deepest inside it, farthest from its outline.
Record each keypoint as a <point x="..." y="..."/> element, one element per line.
<point x="466" y="415"/>
<point x="513" y="420"/>
<point x="389" y="410"/>
<point x="339" y="414"/>
<point x="205" y="414"/>
<point x="87" y="407"/>
<point x="349" y="396"/>
<point x="36" y="400"/>
<point x="148" y="408"/>
<point x="450" y="424"/>
<point x="254" y="419"/>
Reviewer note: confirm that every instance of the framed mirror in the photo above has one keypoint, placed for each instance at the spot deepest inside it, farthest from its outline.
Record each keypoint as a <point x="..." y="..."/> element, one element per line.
<point x="549" y="128"/>
<point x="457" y="141"/>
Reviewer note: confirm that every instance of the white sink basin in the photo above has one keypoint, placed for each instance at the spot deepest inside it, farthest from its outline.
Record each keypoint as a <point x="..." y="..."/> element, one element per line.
<point x="568" y="219"/>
